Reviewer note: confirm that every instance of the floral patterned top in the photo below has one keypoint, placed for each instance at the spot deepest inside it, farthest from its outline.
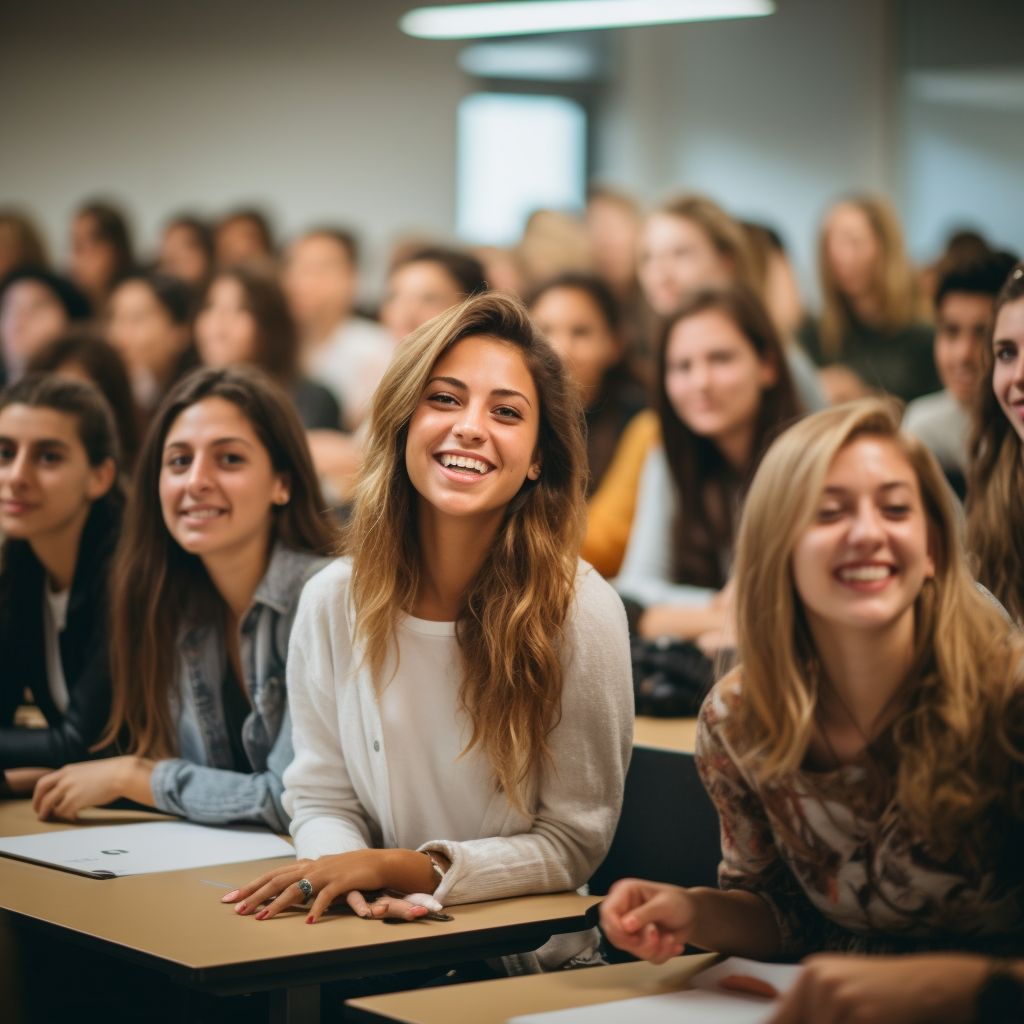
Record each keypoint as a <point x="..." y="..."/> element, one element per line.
<point x="839" y="863"/>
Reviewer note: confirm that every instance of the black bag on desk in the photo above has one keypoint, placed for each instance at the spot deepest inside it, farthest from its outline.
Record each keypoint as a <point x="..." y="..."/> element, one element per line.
<point x="671" y="678"/>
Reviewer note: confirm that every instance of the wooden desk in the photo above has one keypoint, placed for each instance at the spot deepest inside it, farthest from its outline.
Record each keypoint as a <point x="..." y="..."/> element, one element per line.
<point x="494" y="1002"/>
<point x="674" y="734"/>
<point x="175" y="923"/>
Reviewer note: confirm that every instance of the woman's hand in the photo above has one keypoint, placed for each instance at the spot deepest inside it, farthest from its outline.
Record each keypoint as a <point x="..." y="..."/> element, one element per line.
<point x="651" y="920"/>
<point x="884" y="990"/>
<point x="681" y="623"/>
<point x="344" y="874"/>
<point x="65" y="792"/>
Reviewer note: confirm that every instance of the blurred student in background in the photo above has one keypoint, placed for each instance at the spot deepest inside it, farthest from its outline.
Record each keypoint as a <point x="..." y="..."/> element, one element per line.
<point x="777" y="279"/>
<point x="963" y="306"/>
<point x="60" y="514"/>
<point x="579" y="315"/>
<point x="425" y="282"/>
<point x="552" y="243"/>
<point x="224" y="526"/>
<point x="21" y="242"/>
<point x="148" y="324"/>
<point x="83" y="354"/>
<point x="725" y="390"/>
<point x="243" y="236"/>
<point x="873" y="321"/>
<point x="101" y="251"/>
<point x="35" y="307"/>
<point x="243" y="319"/>
<point x="186" y="250"/>
<point x="995" y="526"/>
<point x="346" y="353"/>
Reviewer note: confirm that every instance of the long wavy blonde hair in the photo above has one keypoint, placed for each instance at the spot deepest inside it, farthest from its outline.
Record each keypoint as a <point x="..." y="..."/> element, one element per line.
<point x="510" y="629"/>
<point x="901" y="298"/>
<point x="953" y="753"/>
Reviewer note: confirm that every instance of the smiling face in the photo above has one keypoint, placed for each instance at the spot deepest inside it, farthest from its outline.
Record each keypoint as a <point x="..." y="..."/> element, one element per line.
<point x="677" y="258"/>
<point x="862" y="561"/>
<point x="217" y="483"/>
<point x="46" y="481"/>
<point x="1008" y="368"/>
<point x="472" y="439"/>
<point x="225" y="328"/>
<point x="964" y="319"/>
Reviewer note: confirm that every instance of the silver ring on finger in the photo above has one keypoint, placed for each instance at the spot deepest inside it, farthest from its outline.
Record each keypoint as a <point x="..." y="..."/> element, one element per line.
<point x="306" y="888"/>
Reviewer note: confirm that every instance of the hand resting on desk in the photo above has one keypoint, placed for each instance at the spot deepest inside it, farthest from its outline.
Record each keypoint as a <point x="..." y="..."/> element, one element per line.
<point x="65" y="792"/>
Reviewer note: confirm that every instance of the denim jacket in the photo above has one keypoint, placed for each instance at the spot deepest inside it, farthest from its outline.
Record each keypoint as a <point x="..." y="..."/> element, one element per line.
<point x="200" y="784"/>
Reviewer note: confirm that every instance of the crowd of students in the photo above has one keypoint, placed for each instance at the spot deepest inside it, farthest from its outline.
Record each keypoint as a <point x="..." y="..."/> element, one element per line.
<point x="365" y="574"/>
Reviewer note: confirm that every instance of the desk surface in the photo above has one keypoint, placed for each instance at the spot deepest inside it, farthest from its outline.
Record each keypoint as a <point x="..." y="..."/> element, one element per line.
<point x="494" y="1002"/>
<point x="675" y="734"/>
<point x="174" y="921"/>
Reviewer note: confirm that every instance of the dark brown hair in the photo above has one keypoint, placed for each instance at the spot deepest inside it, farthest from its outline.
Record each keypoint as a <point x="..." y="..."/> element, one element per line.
<point x="158" y="586"/>
<point x="995" y="492"/>
<point x="111" y="226"/>
<point x="707" y="486"/>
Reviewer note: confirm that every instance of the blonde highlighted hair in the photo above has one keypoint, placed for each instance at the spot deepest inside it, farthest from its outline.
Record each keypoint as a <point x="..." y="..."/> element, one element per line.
<point x="510" y="629"/>
<point x="900" y="296"/>
<point x="953" y="753"/>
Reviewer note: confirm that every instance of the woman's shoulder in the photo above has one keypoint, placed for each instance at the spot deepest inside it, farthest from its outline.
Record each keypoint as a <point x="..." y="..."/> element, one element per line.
<point x="328" y="583"/>
<point x="597" y="603"/>
<point x="722" y="703"/>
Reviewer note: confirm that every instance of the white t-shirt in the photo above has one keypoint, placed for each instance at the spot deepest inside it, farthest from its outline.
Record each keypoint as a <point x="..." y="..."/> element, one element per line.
<point x="350" y="363"/>
<point x="55" y="618"/>
<point x="418" y="710"/>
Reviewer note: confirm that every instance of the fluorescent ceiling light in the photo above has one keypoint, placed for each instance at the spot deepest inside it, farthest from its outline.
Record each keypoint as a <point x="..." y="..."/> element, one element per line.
<point x="530" y="17"/>
<point x="542" y="61"/>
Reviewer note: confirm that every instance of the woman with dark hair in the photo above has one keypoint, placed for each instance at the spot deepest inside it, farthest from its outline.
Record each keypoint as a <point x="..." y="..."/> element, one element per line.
<point x="243" y="236"/>
<point x="186" y="250"/>
<point x="425" y="283"/>
<point x="35" y="306"/>
<point x="60" y="514"/>
<point x="724" y="391"/>
<point x="84" y="355"/>
<point x="21" y="242"/>
<point x="101" y="251"/>
<point x="995" y="486"/>
<point x="243" y="319"/>
<point x="148" y="324"/>
<point x="579" y="315"/>
<point x="224" y="526"/>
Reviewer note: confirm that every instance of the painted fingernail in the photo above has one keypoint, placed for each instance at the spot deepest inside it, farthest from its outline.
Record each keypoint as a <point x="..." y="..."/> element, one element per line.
<point x="262" y="914"/>
<point x="228" y="897"/>
<point x="309" y="920"/>
<point x="240" y="909"/>
<point x="418" y="911"/>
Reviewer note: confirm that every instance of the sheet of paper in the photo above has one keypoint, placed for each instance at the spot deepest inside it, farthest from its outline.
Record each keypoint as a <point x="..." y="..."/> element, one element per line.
<point x="110" y="851"/>
<point x="704" y="1004"/>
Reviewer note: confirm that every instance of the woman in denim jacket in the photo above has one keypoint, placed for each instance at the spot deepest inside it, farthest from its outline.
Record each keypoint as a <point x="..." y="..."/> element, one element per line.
<point x="225" y="526"/>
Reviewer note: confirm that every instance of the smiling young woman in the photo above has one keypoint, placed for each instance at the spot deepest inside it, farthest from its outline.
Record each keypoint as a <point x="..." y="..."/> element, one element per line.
<point x="460" y="681"/>
<point x="225" y="525"/>
<point x="867" y="755"/>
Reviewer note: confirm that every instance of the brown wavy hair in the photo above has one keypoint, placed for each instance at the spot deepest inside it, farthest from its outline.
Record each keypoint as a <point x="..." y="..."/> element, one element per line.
<point x="901" y="298"/>
<point x="707" y="486"/>
<point x="953" y="756"/>
<point x="158" y="587"/>
<point x="510" y="629"/>
<point x="995" y="492"/>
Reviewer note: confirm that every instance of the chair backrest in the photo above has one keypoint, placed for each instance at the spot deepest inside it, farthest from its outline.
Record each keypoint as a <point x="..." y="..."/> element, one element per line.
<point x="669" y="829"/>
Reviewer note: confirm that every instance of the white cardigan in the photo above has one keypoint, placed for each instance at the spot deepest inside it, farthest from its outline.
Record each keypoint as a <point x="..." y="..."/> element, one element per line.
<point x="338" y="790"/>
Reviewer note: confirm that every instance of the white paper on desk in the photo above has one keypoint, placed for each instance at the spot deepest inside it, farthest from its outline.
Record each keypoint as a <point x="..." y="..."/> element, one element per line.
<point x="703" y="1004"/>
<point x="110" y="851"/>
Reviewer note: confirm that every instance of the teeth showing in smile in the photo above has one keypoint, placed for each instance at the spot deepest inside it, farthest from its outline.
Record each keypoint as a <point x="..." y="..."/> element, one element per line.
<point x="865" y="573"/>
<point x="202" y="513"/>
<point x="461" y="462"/>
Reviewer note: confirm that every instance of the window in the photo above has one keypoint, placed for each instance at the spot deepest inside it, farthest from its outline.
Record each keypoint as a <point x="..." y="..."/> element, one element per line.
<point x="517" y="154"/>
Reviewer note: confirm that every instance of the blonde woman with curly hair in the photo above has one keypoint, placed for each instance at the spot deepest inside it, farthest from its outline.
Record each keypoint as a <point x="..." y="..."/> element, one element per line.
<point x="459" y="680"/>
<point x="866" y="757"/>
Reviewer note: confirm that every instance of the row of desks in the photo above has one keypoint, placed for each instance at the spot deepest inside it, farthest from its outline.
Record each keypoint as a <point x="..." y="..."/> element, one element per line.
<point x="174" y="922"/>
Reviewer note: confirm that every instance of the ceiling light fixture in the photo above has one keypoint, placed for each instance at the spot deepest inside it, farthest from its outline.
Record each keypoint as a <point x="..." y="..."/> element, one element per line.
<point x="530" y="17"/>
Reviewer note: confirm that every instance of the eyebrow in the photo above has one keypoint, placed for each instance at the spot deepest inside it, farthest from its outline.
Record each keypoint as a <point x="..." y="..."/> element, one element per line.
<point x="497" y="392"/>
<point x="219" y="441"/>
<point x="884" y="487"/>
<point x="43" y="442"/>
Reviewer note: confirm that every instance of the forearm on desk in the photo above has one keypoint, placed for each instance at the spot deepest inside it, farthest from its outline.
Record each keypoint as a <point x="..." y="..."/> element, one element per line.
<point x="736" y="923"/>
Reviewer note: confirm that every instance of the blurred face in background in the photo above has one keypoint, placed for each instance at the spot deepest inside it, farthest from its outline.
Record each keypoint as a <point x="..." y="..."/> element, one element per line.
<point x="613" y="229"/>
<point x="239" y="240"/>
<point x="852" y="250"/>
<point x="417" y="292"/>
<point x="677" y="258"/>
<point x="144" y="333"/>
<point x="319" y="282"/>
<point x="573" y="322"/>
<point x="225" y="329"/>
<point x="182" y="255"/>
<point x="31" y="316"/>
<point x="964" y="321"/>
<point x="93" y="259"/>
<point x="1008" y="363"/>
